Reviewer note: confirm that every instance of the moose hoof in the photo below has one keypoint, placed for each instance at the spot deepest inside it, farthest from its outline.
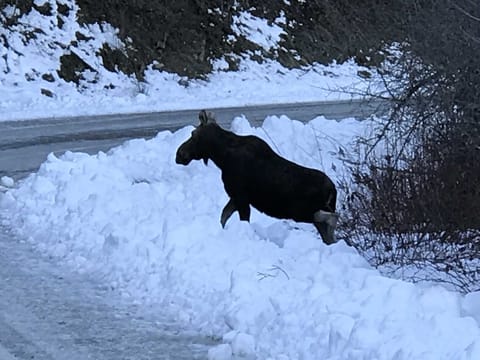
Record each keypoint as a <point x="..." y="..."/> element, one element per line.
<point x="326" y="222"/>
<point x="323" y="216"/>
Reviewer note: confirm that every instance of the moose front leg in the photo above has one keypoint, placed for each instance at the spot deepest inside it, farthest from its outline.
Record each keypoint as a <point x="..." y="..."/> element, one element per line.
<point x="231" y="207"/>
<point x="326" y="223"/>
<point x="227" y="211"/>
<point x="244" y="211"/>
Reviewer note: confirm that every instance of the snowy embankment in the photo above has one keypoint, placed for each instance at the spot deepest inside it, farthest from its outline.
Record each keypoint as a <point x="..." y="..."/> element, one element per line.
<point x="150" y="228"/>
<point x="29" y="70"/>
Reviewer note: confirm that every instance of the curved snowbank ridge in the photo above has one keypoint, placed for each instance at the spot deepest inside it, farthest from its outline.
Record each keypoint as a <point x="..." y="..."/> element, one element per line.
<point x="270" y="288"/>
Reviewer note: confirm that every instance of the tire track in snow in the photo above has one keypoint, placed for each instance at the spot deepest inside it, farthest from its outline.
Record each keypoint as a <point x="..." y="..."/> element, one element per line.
<point x="49" y="313"/>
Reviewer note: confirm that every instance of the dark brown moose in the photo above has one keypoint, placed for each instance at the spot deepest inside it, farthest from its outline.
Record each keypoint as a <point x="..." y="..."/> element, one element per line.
<point x="253" y="174"/>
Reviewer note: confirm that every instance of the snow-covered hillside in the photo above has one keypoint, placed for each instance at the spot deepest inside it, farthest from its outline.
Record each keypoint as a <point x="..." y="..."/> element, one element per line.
<point x="30" y="62"/>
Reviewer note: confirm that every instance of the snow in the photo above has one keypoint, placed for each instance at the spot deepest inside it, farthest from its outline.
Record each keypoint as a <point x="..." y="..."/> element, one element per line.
<point x="23" y="64"/>
<point x="270" y="288"/>
<point x="150" y="229"/>
<point x="257" y="30"/>
<point x="6" y="181"/>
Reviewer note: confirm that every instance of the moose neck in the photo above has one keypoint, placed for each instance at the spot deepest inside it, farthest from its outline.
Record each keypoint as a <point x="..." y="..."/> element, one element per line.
<point x="219" y="141"/>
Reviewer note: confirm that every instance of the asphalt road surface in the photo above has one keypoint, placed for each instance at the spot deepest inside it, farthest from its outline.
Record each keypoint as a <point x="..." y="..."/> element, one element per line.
<point x="48" y="312"/>
<point x="24" y="145"/>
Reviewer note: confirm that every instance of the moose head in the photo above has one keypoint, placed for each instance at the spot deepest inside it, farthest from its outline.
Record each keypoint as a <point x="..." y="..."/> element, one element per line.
<point x="198" y="146"/>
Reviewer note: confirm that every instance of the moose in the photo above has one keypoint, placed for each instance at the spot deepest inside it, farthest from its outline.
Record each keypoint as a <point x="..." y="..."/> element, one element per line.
<point x="253" y="174"/>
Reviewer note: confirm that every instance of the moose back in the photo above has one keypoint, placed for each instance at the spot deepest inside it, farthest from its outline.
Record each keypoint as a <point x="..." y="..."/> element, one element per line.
<point x="253" y="174"/>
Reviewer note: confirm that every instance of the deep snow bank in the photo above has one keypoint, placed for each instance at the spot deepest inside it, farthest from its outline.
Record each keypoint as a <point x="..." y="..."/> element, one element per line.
<point x="151" y="229"/>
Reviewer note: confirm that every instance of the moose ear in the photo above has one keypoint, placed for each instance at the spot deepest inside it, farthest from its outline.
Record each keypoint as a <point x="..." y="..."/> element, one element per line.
<point x="206" y="117"/>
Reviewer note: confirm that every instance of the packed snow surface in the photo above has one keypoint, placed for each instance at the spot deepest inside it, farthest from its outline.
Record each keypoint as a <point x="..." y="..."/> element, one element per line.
<point x="270" y="288"/>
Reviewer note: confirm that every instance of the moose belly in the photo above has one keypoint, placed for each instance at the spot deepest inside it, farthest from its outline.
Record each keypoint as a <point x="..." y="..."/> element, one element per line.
<point x="286" y="208"/>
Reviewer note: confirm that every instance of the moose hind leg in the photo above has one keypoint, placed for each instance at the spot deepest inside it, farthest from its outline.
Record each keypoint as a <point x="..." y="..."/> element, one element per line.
<point x="326" y="222"/>
<point x="323" y="230"/>
<point x="244" y="211"/>
<point x="227" y="211"/>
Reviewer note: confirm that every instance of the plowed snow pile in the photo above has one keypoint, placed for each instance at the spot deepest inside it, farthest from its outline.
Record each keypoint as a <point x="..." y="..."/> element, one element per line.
<point x="150" y="228"/>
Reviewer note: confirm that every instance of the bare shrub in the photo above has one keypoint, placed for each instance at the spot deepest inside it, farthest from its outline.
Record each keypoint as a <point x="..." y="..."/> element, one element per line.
<point x="418" y="218"/>
<point x="413" y="205"/>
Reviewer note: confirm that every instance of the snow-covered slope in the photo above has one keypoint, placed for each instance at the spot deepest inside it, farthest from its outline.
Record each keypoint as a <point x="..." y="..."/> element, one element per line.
<point x="31" y="86"/>
<point x="271" y="289"/>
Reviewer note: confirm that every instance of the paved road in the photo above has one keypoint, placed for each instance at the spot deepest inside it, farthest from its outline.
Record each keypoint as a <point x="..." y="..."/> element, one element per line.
<point x="25" y="144"/>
